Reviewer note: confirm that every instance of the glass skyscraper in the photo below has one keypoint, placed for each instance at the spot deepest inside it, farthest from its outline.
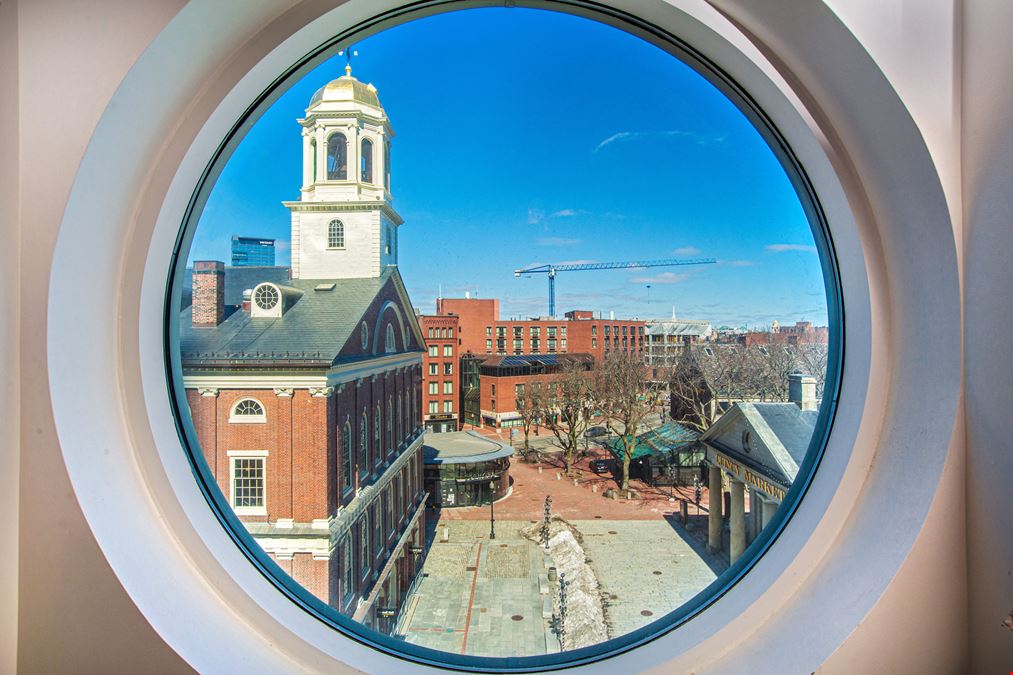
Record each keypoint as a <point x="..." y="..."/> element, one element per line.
<point x="252" y="252"/>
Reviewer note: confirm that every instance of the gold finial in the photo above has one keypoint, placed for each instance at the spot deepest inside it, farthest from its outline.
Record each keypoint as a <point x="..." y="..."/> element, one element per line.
<point x="348" y="54"/>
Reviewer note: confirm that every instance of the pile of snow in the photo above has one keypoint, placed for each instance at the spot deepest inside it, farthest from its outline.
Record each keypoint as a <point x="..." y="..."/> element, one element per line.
<point x="585" y="616"/>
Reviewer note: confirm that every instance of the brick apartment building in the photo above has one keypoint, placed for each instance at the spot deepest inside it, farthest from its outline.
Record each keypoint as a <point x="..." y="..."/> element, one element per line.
<point x="481" y="331"/>
<point x="504" y="378"/>
<point x="306" y="400"/>
<point x="803" y="332"/>
<point x="441" y="373"/>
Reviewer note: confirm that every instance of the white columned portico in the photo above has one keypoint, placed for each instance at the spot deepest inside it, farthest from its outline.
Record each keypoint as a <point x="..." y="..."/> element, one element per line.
<point x="769" y="509"/>
<point x="714" y="502"/>
<point x="737" y="521"/>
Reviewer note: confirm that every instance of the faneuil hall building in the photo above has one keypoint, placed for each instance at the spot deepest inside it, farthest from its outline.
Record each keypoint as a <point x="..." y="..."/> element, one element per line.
<point x="306" y="398"/>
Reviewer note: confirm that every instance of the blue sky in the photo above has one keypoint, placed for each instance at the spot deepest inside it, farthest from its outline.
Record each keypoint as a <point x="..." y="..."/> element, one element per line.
<point x="526" y="137"/>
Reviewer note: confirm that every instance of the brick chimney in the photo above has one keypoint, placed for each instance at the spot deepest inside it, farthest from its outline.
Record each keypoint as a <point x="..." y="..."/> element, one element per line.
<point x="802" y="391"/>
<point x="208" y="292"/>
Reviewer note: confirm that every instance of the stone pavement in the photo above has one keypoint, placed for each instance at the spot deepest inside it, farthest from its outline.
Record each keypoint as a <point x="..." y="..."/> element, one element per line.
<point x="647" y="568"/>
<point x="482" y="597"/>
<point x="491" y="598"/>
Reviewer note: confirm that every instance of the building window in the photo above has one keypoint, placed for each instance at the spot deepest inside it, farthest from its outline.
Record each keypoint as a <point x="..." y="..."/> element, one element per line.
<point x="488" y="331"/>
<point x="434" y="350"/>
<point x="518" y="390"/>
<point x="501" y="331"/>
<point x="448" y="406"/>
<point x="347" y="566"/>
<point x="493" y="389"/>
<point x="364" y="336"/>
<point x="433" y="407"/>
<point x="390" y="427"/>
<point x="562" y="330"/>
<point x="488" y="346"/>
<point x="433" y="388"/>
<point x="346" y="456"/>
<point x="247" y="410"/>
<point x="366" y="161"/>
<point x="248" y="482"/>
<point x="335" y="234"/>
<point x="430" y="332"/>
<point x="390" y="344"/>
<point x="364" y="561"/>
<point x="448" y="350"/>
<point x="448" y="368"/>
<point x="550" y="332"/>
<point x="364" y="445"/>
<point x="450" y="332"/>
<point x="337" y="157"/>
<point x="518" y="332"/>
<point x="433" y="369"/>
<point x="448" y="387"/>
<point x="536" y="331"/>
<point x="594" y="329"/>
<point x="400" y="418"/>
<point x="562" y="344"/>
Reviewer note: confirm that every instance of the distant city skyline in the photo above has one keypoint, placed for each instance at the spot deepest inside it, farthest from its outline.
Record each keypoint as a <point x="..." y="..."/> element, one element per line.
<point x="597" y="146"/>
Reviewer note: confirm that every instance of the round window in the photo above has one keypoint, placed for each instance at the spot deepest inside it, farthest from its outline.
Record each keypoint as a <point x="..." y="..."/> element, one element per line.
<point x="656" y="291"/>
<point x="266" y="297"/>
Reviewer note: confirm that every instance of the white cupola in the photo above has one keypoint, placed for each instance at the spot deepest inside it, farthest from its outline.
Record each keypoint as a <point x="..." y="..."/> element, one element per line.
<point x="344" y="224"/>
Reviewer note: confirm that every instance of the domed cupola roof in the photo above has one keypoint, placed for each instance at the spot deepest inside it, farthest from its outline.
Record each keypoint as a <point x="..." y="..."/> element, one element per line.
<point x="344" y="89"/>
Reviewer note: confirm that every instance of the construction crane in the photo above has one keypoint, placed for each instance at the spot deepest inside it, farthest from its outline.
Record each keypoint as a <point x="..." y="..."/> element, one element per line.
<point x="551" y="270"/>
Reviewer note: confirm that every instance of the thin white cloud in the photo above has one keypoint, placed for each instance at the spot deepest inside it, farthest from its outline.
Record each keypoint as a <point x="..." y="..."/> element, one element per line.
<point x="686" y="250"/>
<point x="556" y="241"/>
<point x="736" y="263"/>
<point x="564" y="213"/>
<point x="535" y="216"/>
<point x="694" y="136"/>
<point x="663" y="278"/>
<point x="781" y="248"/>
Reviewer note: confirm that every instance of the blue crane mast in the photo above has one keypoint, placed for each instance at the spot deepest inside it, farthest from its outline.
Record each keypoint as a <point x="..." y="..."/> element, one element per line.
<point x="551" y="270"/>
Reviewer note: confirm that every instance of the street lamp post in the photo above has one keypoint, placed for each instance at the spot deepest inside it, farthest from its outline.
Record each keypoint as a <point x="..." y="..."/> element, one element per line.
<point x="492" y="510"/>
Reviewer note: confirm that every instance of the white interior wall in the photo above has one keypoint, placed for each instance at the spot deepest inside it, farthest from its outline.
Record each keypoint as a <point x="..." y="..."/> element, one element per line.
<point x="66" y="589"/>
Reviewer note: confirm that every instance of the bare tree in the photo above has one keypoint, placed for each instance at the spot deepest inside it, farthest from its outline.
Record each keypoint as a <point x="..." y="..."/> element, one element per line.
<point x="812" y="360"/>
<point x="623" y="396"/>
<point x="567" y="409"/>
<point x="531" y="408"/>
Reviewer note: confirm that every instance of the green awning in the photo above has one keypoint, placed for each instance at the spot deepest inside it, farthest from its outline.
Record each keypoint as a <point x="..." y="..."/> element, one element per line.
<point x="668" y="438"/>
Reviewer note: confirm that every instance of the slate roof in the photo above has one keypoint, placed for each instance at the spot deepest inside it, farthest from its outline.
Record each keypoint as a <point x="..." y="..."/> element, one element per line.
<point x="792" y="426"/>
<point x="670" y="436"/>
<point x="316" y="327"/>
<point x="237" y="280"/>
<point x="781" y="434"/>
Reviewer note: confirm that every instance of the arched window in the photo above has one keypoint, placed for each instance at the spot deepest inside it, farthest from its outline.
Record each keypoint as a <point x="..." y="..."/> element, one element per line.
<point x="335" y="234"/>
<point x="389" y="343"/>
<point x="387" y="242"/>
<point x="247" y="410"/>
<point x="364" y="444"/>
<point x="337" y="157"/>
<point x="346" y="456"/>
<point x="366" y="161"/>
<point x="400" y="427"/>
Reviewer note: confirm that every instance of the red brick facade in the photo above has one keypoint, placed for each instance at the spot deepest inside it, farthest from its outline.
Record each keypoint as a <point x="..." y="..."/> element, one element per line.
<point x="441" y="372"/>
<point x="481" y="331"/>
<point x="321" y="458"/>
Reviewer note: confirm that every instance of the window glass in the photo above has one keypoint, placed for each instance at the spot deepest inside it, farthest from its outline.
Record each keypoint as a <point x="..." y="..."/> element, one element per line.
<point x="337" y="157"/>
<point x="667" y="460"/>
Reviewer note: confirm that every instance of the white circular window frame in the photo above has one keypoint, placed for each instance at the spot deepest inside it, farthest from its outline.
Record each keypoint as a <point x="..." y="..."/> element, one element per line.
<point x="852" y="531"/>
